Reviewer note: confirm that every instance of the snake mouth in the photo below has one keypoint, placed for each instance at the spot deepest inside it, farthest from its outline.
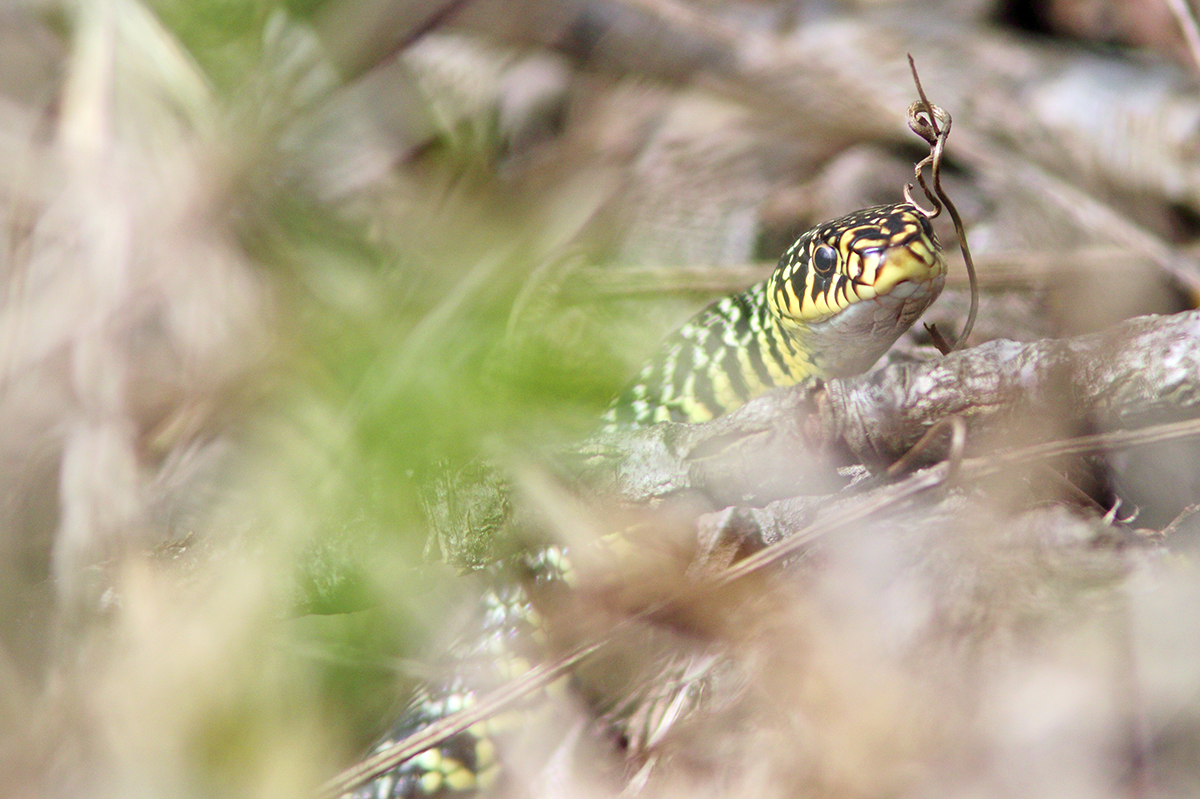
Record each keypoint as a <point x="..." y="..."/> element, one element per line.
<point x="899" y="270"/>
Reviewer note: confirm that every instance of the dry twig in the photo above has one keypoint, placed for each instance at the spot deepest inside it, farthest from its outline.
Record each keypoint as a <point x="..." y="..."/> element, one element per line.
<point x="933" y="125"/>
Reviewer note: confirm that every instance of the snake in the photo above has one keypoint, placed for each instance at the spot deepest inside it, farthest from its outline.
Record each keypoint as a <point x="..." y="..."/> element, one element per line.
<point x="840" y="296"/>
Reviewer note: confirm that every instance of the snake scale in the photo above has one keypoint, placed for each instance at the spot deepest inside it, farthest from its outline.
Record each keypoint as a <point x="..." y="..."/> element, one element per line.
<point x="839" y="298"/>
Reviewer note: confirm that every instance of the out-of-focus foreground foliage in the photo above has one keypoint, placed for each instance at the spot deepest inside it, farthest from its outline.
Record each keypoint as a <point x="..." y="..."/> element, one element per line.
<point x="269" y="265"/>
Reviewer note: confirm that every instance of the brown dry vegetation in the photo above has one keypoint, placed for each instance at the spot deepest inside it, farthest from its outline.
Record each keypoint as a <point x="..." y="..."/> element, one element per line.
<point x="268" y="267"/>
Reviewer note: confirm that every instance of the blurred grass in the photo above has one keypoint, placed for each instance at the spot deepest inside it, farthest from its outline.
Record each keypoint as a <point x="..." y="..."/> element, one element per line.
<point x="414" y="328"/>
<point x="417" y="325"/>
<point x="224" y="36"/>
<point x="402" y="354"/>
<point x="396" y="374"/>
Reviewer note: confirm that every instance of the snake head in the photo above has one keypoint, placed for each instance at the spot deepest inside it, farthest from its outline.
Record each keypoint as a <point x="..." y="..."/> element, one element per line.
<point x="847" y="289"/>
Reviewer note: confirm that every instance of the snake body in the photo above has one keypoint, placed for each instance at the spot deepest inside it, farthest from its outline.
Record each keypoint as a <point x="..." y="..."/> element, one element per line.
<point x="840" y="296"/>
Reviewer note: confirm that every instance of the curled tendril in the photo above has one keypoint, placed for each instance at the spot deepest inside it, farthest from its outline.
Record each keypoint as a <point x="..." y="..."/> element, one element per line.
<point x="932" y="124"/>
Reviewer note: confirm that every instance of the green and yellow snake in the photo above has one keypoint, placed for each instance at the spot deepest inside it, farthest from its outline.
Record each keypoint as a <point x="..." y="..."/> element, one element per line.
<point x="839" y="298"/>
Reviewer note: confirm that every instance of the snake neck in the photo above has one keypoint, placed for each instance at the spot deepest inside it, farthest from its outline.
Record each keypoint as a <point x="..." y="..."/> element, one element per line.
<point x="788" y="350"/>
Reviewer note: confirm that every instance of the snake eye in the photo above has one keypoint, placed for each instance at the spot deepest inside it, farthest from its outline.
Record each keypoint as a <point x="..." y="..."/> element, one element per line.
<point x="824" y="259"/>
